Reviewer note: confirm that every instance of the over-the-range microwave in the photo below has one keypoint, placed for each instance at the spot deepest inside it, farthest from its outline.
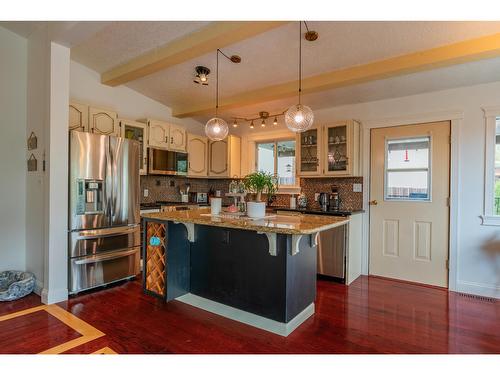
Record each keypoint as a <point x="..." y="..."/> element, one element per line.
<point x="167" y="162"/>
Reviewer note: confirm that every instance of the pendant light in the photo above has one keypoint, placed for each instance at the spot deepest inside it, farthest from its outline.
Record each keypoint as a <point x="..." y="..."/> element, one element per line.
<point x="216" y="128"/>
<point x="299" y="117"/>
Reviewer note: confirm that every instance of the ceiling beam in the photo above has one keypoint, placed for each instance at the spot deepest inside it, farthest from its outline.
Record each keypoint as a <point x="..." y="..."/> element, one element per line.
<point x="207" y="39"/>
<point x="456" y="53"/>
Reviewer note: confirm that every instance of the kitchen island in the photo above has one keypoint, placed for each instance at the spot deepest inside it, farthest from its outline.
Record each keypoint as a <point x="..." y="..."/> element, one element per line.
<point x="261" y="272"/>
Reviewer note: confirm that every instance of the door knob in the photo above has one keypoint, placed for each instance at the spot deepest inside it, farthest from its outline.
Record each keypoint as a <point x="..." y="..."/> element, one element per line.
<point x="373" y="202"/>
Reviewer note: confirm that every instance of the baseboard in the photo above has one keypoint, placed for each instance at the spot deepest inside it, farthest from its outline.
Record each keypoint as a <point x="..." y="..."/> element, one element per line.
<point x="50" y="296"/>
<point x="480" y="289"/>
<point x="282" y="329"/>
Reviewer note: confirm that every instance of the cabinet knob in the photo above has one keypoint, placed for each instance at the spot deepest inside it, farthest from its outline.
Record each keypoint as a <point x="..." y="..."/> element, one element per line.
<point x="373" y="202"/>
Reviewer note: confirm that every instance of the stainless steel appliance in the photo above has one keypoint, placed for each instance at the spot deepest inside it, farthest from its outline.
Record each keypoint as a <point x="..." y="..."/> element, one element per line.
<point x="104" y="235"/>
<point x="167" y="162"/>
<point x="334" y="200"/>
<point x="324" y="201"/>
<point x="332" y="245"/>
<point x="198" y="197"/>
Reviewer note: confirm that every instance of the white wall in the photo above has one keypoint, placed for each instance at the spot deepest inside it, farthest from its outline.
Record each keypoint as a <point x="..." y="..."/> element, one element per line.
<point x="86" y="87"/>
<point x="13" y="61"/>
<point x="478" y="253"/>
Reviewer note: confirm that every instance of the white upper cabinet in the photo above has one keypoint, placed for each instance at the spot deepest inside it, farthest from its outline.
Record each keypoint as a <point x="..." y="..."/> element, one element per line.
<point x="178" y="138"/>
<point x="138" y="132"/>
<point x="159" y="134"/>
<point x="224" y="157"/>
<point x="341" y="148"/>
<point x="197" y="148"/>
<point x="104" y="122"/>
<point x="78" y="116"/>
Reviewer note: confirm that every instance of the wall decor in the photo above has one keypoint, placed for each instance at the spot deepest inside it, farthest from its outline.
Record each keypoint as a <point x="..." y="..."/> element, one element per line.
<point x="32" y="141"/>
<point x="32" y="163"/>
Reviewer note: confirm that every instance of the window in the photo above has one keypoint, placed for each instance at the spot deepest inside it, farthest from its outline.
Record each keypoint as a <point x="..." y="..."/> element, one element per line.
<point x="278" y="158"/>
<point x="491" y="214"/>
<point x="407" y="169"/>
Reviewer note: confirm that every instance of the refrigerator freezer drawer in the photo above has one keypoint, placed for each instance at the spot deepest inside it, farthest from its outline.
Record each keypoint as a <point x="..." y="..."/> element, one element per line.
<point x="88" y="242"/>
<point x="95" y="270"/>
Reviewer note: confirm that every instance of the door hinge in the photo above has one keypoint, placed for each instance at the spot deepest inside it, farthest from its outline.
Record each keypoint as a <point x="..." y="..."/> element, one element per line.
<point x="449" y="139"/>
<point x="448" y="202"/>
<point x="447" y="264"/>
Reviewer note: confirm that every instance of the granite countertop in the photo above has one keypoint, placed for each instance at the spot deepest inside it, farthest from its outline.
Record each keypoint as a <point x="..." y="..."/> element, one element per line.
<point x="315" y="211"/>
<point x="284" y="224"/>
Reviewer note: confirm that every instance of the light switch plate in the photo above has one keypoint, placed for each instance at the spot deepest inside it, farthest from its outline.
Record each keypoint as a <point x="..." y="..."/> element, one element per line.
<point x="357" y="188"/>
<point x="146" y="193"/>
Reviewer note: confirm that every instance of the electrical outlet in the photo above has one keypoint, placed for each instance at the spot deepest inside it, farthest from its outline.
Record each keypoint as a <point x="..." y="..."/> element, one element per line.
<point x="316" y="196"/>
<point x="146" y="193"/>
<point x="357" y="188"/>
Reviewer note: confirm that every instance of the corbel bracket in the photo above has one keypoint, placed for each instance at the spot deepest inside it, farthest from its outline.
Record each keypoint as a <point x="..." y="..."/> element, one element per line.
<point x="190" y="230"/>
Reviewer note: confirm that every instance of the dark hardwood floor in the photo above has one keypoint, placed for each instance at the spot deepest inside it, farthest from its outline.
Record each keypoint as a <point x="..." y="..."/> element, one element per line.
<point x="372" y="315"/>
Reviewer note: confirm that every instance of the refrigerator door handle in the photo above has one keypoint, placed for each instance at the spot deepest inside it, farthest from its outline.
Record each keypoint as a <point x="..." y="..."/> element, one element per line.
<point x="100" y="258"/>
<point x="109" y="232"/>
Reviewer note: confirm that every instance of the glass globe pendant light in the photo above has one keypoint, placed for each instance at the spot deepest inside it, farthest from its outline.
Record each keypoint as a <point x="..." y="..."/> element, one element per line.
<point x="299" y="117"/>
<point x="216" y="128"/>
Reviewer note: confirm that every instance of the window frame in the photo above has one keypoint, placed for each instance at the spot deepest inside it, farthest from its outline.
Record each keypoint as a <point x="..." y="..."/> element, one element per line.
<point x="428" y="169"/>
<point x="282" y="189"/>
<point x="489" y="217"/>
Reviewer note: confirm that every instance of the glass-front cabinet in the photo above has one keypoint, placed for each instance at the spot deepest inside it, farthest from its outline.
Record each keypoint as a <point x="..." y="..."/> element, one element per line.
<point x="309" y="153"/>
<point x="137" y="131"/>
<point x="329" y="150"/>
<point x="341" y="156"/>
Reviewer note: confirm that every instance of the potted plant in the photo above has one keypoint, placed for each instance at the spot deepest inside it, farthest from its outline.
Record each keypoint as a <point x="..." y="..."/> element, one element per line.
<point x="258" y="183"/>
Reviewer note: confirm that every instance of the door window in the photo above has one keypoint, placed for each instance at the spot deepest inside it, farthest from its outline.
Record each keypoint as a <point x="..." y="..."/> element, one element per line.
<point x="407" y="169"/>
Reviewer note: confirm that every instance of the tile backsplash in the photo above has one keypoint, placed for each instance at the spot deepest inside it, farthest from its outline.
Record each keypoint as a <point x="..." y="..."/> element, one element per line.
<point x="160" y="189"/>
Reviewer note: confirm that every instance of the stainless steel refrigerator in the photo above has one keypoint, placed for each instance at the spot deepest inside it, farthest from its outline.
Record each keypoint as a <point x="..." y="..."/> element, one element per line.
<point x="104" y="218"/>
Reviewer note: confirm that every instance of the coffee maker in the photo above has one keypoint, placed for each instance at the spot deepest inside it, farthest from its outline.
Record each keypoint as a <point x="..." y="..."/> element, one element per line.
<point x="324" y="201"/>
<point x="335" y="200"/>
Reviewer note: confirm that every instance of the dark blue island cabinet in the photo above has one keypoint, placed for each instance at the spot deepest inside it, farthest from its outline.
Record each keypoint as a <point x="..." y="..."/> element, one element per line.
<point x="267" y="280"/>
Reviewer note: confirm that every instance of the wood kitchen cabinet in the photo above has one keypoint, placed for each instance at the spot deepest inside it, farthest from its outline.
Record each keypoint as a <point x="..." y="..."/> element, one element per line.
<point x="329" y="150"/>
<point x="341" y="149"/>
<point x="197" y="148"/>
<point x="158" y="132"/>
<point x="102" y="121"/>
<point x="137" y="131"/>
<point x="224" y="157"/>
<point x="178" y="138"/>
<point x="78" y="116"/>
<point x="309" y="161"/>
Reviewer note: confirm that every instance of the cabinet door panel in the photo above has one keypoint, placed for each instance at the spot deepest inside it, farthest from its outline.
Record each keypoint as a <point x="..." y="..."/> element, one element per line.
<point x="103" y="122"/>
<point x="309" y="153"/>
<point x="177" y="138"/>
<point x="78" y="117"/>
<point x="158" y="134"/>
<point x="197" y="155"/>
<point x="138" y="132"/>
<point x="218" y="158"/>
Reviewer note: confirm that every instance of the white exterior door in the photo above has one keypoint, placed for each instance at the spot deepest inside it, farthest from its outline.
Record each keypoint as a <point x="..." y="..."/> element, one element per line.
<point x="409" y="213"/>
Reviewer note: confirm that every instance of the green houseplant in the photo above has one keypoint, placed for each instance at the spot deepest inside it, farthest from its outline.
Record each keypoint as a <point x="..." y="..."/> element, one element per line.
<point x="258" y="183"/>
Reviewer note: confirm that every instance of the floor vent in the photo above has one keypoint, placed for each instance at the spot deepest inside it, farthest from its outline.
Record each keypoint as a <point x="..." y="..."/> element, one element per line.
<point x="477" y="298"/>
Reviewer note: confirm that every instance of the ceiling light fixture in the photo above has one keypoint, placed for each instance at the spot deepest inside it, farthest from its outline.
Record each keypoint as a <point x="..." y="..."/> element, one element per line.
<point x="235" y="124"/>
<point x="216" y="128"/>
<point x="275" y="122"/>
<point x="263" y="123"/>
<point x="201" y="76"/>
<point x="299" y="117"/>
<point x="251" y="125"/>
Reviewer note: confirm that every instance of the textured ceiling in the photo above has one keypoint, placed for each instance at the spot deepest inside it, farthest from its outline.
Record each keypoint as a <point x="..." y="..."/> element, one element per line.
<point x="122" y="41"/>
<point x="272" y="57"/>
